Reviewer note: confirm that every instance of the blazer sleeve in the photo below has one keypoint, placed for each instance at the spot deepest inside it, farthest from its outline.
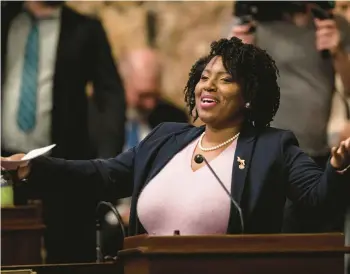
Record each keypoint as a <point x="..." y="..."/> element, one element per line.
<point x="105" y="177"/>
<point x="308" y="185"/>
<point x="108" y="178"/>
<point x="109" y="97"/>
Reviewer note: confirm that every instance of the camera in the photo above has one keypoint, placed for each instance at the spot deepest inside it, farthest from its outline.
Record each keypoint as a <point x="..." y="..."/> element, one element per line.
<point x="247" y="11"/>
<point x="274" y="11"/>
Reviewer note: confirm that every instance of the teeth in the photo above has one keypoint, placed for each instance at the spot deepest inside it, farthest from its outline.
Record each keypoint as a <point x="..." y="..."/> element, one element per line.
<point x="208" y="101"/>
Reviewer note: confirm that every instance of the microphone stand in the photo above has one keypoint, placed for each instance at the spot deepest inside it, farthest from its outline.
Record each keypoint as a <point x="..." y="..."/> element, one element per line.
<point x="199" y="159"/>
<point x="99" y="255"/>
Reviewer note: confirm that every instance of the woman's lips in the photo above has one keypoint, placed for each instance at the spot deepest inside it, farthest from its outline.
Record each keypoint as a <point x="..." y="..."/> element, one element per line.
<point x="208" y="103"/>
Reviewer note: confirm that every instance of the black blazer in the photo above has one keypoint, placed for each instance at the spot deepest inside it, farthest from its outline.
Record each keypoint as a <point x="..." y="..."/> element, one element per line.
<point x="275" y="169"/>
<point x="83" y="55"/>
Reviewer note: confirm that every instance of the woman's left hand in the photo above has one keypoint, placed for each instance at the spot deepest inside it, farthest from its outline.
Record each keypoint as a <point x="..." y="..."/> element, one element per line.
<point x="341" y="155"/>
<point x="345" y="133"/>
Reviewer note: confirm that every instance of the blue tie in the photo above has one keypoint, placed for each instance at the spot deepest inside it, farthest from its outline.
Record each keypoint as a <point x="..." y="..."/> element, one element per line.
<point x="26" y="116"/>
<point x="132" y="134"/>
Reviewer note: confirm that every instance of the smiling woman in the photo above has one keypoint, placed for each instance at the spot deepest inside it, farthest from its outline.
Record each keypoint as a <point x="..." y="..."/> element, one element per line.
<point x="218" y="96"/>
<point x="234" y="91"/>
<point x="244" y="76"/>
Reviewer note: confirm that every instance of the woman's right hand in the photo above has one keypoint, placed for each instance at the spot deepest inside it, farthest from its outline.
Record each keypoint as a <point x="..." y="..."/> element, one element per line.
<point x="242" y="32"/>
<point x="12" y="163"/>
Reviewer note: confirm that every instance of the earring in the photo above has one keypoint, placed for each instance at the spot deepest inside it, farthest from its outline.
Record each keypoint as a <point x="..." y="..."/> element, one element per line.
<point x="247" y="105"/>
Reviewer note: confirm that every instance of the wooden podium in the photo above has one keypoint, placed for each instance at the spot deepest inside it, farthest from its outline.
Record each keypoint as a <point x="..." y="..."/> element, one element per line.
<point x="22" y="229"/>
<point x="87" y="268"/>
<point x="238" y="254"/>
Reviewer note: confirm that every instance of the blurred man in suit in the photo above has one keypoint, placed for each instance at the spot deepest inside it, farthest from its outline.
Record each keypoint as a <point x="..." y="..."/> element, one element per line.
<point x="343" y="8"/>
<point x="49" y="55"/>
<point x="141" y="72"/>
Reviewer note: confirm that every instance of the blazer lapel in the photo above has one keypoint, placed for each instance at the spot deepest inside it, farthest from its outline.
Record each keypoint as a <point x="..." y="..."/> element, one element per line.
<point x="240" y="169"/>
<point x="176" y="143"/>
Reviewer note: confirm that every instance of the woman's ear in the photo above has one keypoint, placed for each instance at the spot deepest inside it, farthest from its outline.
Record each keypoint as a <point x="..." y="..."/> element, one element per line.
<point x="194" y="114"/>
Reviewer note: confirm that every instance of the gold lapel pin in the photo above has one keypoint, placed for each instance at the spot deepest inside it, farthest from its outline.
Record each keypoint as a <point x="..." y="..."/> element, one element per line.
<point x="241" y="162"/>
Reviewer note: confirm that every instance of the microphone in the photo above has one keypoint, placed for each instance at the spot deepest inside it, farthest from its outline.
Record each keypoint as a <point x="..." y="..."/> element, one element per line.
<point x="199" y="159"/>
<point x="99" y="255"/>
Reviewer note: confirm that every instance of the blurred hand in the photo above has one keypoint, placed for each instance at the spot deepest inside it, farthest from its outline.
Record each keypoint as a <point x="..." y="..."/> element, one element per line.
<point x="345" y="133"/>
<point x="23" y="168"/>
<point x="341" y="155"/>
<point x="327" y="35"/>
<point x="242" y="32"/>
<point x="6" y="163"/>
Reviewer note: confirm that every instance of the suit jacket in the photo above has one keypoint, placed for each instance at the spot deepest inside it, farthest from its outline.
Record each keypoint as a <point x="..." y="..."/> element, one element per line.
<point x="275" y="169"/>
<point x="83" y="55"/>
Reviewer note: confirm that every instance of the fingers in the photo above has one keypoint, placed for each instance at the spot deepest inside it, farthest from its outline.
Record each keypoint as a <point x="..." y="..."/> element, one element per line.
<point x="344" y="147"/>
<point x="347" y="145"/>
<point x="23" y="172"/>
<point x="242" y="32"/>
<point x="5" y="165"/>
<point x="24" y="164"/>
<point x="341" y="154"/>
<point x="333" y="151"/>
<point x="11" y="163"/>
<point x="340" y="150"/>
<point x="242" y="29"/>
<point x="327" y="37"/>
<point x="328" y="23"/>
<point x="325" y="32"/>
<point x="345" y="133"/>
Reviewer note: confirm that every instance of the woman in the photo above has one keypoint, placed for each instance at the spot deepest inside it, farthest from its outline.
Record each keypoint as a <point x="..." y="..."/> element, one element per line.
<point x="234" y="91"/>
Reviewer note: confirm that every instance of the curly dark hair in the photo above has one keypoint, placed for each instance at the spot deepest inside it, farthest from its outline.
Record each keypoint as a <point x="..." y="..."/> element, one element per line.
<point x="254" y="71"/>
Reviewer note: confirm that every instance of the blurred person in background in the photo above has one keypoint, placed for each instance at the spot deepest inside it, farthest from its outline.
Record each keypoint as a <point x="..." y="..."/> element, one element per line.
<point x="49" y="53"/>
<point x="288" y="31"/>
<point x="141" y="73"/>
<point x="294" y="38"/>
<point x="340" y="125"/>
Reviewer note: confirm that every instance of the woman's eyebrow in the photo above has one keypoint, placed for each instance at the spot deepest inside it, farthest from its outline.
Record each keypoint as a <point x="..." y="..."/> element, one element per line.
<point x="218" y="72"/>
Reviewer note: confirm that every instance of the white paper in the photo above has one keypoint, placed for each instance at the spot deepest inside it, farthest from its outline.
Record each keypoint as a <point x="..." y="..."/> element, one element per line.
<point x="30" y="155"/>
<point x="8" y="164"/>
<point x="37" y="152"/>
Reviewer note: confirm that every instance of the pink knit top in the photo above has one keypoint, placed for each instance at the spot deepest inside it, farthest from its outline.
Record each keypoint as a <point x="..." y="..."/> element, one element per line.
<point x="193" y="202"/>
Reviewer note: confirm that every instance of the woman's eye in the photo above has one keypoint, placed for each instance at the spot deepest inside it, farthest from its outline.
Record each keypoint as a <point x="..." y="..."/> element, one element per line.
<point x="203" y="77"/>
<point x="227" y="80"/>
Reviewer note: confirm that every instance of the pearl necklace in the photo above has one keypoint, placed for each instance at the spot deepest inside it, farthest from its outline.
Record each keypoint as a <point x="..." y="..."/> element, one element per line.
<point x="218" y="146"/>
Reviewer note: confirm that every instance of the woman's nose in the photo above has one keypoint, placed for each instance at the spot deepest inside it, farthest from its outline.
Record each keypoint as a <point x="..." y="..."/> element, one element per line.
<point x="209" y="86"/>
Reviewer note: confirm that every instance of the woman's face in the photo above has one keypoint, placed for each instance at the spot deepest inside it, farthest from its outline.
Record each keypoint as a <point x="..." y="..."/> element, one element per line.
<point x="219" y="101"/>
